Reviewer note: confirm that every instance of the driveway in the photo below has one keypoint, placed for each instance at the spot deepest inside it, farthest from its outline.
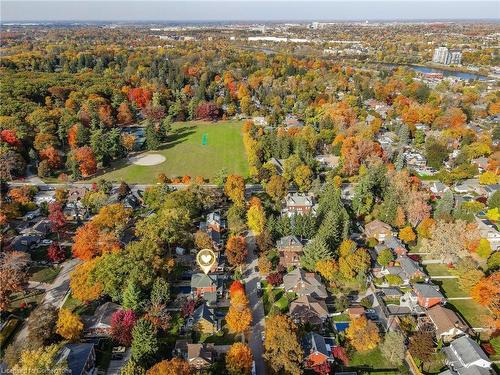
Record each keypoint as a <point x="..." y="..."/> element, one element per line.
<point x="116" y="365"/>
<point x="55" y="293"/>
<point x="251" y="279"/>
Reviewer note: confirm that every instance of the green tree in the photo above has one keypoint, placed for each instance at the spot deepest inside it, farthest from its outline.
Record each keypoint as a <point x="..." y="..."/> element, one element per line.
<point x="393" y="347"/>
<point x="385" y="257"/>
<point x="132" y="296"/>
<point x="160" y="293"/>
<point x="144" y="342"/>
<point x="315" y="251"/>
<point x="153" y="139"/>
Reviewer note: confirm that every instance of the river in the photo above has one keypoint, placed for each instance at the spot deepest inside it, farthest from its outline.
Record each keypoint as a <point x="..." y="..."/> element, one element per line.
<point x="444" y="72"/>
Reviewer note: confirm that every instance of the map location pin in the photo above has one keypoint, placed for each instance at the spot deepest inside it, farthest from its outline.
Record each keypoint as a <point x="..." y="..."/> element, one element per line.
<point x="205" y="259"/>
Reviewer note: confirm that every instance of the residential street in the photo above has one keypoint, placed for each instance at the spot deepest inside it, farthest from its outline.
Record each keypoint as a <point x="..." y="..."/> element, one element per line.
<point x="251" y="279"/>
<point x="55" y="293"/>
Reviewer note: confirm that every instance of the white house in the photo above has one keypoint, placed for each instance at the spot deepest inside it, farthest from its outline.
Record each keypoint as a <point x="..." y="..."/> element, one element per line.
<point x="488" y="231"/>
<point x="465" y="356"/>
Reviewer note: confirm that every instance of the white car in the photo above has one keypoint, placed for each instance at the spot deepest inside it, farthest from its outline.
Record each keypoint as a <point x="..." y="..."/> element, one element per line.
<point x="45" y="242"/>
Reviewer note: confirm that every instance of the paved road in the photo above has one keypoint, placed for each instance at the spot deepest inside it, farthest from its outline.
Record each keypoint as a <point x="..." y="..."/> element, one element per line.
<point x="116" y="364"/>
<point x="251" y="279"/>
<point x="55" y="293"/>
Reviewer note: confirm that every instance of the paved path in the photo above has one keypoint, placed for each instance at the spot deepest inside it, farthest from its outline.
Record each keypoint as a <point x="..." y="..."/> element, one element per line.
<point x="444" y="277"/>
<point x="458" y="298"/>
<point x="116" y="364"/>
<point x="55" y="293"/>
<point x="258" y="318"/>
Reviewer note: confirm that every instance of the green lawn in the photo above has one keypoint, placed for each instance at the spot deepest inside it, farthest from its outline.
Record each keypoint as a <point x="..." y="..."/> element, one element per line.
<point x="472" y="312"/>
<point x="44" y="274"/>
<point x="437" y="269"/>
<point x="450" y="288"/>
<point x="185" y="154"/>
<point x="372" y="359"/>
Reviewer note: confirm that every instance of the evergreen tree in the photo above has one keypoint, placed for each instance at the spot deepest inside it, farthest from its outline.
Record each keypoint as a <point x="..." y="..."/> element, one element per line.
<point x="160" y="293"/>
<point x="131" y="298"/>
<point x="315" y="251"/>
<point x="144" y="343"/>
<point x="445" y="206"/>
<point x="153" y="140"/>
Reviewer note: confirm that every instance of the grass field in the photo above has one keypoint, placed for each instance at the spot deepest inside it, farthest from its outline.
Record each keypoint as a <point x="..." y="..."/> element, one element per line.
<point x="472" y="312"/>
<point x="185" y="154"/>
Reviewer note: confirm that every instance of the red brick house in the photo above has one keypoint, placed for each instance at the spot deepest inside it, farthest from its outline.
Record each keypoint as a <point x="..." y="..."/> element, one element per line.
<point x="290" y="250"/>
<point x="428" y="295"/>
<point x="205" y="286"/>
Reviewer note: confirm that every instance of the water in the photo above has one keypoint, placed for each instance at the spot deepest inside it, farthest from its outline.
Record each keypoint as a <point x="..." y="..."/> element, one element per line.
<point x="444" y="72"/>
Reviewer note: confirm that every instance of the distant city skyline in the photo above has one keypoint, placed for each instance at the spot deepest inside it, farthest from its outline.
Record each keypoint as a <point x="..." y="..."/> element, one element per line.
<point x="272" y="11"/>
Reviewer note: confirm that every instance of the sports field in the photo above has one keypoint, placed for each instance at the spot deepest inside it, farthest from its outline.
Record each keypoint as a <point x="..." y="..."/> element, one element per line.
<point x="194" y="148"/>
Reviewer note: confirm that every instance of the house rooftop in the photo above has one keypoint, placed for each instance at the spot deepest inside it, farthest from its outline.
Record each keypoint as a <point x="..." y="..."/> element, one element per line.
<point x="428" y="290"/>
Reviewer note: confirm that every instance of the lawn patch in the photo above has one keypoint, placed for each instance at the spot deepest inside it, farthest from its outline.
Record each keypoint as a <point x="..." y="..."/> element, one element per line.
<point x="472" y="312"/>
<point x="437" y="269"/>
<point x="186" y="155"/>
<point x="44" y="274"/>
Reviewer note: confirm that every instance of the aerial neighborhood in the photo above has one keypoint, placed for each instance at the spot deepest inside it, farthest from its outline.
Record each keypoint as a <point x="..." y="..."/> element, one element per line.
<point x="350" y="206"/>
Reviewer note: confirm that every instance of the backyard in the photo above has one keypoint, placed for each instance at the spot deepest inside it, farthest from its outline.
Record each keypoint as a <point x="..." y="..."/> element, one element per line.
<point x="195" y="148"/>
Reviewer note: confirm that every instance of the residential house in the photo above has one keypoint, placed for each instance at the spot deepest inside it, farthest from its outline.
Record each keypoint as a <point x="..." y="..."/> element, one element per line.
<point x="290" y="250"/>
<point x="278" y="165"/>
<point x="316" y="351"/>
<point x="259" y="121"/>
<point x="468" y="186"/>
<point x="81" y="358"/>
<point x="41" y="227"/>
<point x="304" y="283"/>
<point x="298" y="204"/>
<point x="490" y="189"/>
<point x="206" y="287"/>
<point x="489" y="231"/>
<point x="406" y="268"/>
<point x="46" y="196"/>
<point x="292" y="122"/>
<point x="203" y="320"/>
<point x="215" y="222"/>
<point x="328" y="161"/>
<point x="465" y="357"/>
<point x="25" y="242"/>
<point x="99" y="324"/>
<point x="428" y="295"/>
<point x="75" y="195"/>
<point x="446" y="324"/>
<point x="378" y="229"/>
<point x="481" y="163"/>
<point x="199" y="356"/>
<point x="356" y="312"/>
<point x="438" y="188"/>
<point x="307" y="309"/>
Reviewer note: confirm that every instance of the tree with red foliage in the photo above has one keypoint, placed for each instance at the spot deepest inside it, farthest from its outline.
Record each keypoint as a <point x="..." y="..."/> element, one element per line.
<point x="322" y="369"/>
<point x="122" y="322"/>
<point x="86" y="159"/>
<point x="56" y="217"/>
<point x="10" y="137"/>
<point x="207" y="111"/>
<point x="274" y="278"/>
<point x="339" y="353"/>
<point x="141" y="97"/>
<point x="52" y="156"/>
<point x="56" y="253"/>
<point x="188" y="308"/>
<point x="236" y="288"/>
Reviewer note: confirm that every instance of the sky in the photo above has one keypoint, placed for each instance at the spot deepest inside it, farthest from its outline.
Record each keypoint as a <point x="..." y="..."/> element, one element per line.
<point x="239" y="10"/>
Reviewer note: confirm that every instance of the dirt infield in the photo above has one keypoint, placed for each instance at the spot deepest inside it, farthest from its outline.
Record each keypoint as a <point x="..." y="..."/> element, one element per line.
<point x="147" y="159"/>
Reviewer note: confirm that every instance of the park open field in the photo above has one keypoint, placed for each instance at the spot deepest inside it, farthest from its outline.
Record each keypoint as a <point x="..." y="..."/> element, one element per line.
<point x="186" y="155"/>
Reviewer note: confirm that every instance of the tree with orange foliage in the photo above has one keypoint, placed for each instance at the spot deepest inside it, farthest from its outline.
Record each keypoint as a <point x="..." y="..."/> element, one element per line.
<point x="234" y="189"/>
<point x="72" y="139"/>
<point x="141" y="97"/>
<point x="239" y="359"/>
<point x="236" y="288"/>
<point x="355" y="151"/>
<point x="124" y="115"/>
<point x="363" y="334"/>
<point x="89" y="242"/>
<point x="128" y="141"/>
<point x="175" y="366"/>
<point x="52" y="156"/>
<point x="425" y="227"/>
<point x="81" y="287"/>
<point x="236" y="250"/>
<point x="86" y="159"/>
<point x="487" y="293"/>
<point x="239" y="316"/>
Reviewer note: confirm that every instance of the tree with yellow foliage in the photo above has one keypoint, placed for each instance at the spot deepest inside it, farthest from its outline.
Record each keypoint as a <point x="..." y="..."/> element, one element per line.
<point x="239" y="359"/>
<point x="407" y="234"/>
<point x="175" y="366"/>
<point x="327" y="268"/>
<point x="488" y="178"/>
<point x="112" y="217"/>
<point x="239" y="316"/>
<point x="256" y="218"/>
<point x="43" y="360"/>
<point x="234" y="189"/>
<point x="81" y="287"/>
<point x="69" y="325"/>
<point x="363" y="334"/>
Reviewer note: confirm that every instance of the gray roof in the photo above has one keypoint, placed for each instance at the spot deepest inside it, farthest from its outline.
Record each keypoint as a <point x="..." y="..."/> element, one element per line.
<point x="313" y="342"/>
<point x="288" y="241"/>
<point x="103" y="314"/>
<point x="78" y="356"/>
<point x="393" y="243"/>
<point x="304" y="283"/>
<point x="200" y="280"/>
<point x="468" y="350"/>
<point x="203" y="312"/>
<point x="298" y="199"/>
<point x="409" y="266"/>
<point x="428" y="290"/>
